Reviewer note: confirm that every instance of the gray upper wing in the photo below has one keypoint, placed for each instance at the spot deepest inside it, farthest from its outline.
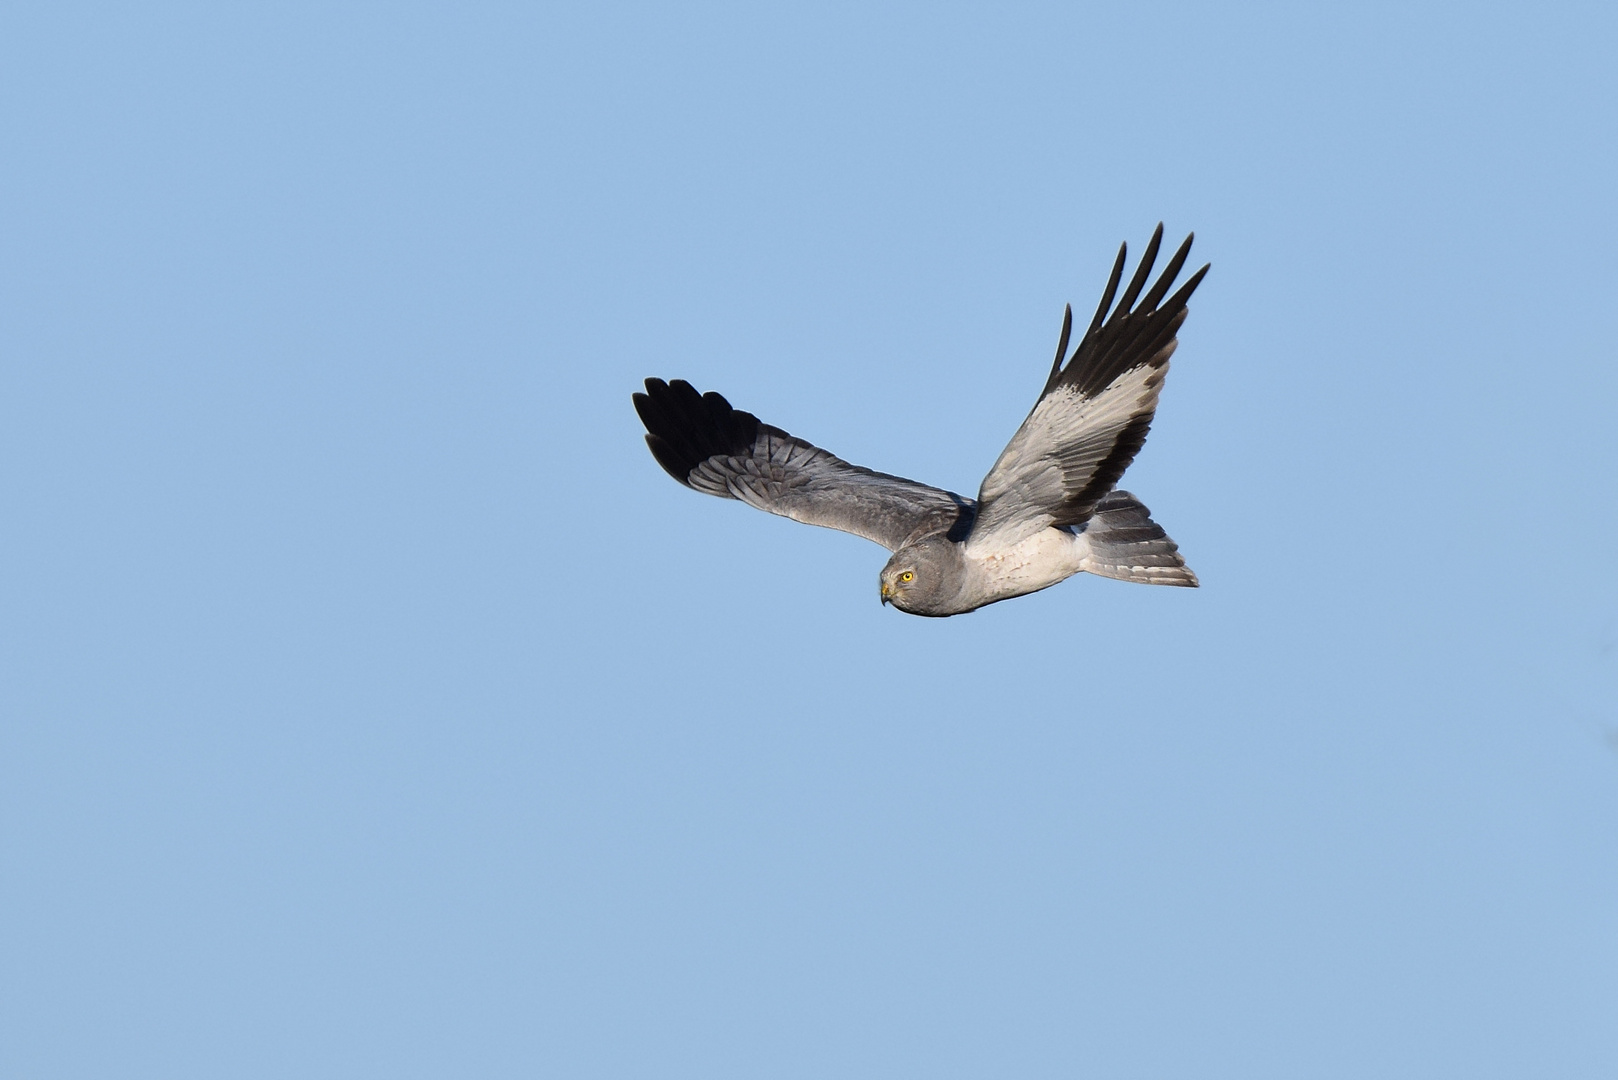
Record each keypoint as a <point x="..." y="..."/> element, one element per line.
<point x="710" y="447"/>
<point x="1092" y="418"/>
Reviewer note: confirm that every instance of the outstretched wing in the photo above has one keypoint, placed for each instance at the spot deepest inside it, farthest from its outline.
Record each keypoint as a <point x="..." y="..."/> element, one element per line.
<point x="710" y="447"/>
<point x="1092" y="418"/>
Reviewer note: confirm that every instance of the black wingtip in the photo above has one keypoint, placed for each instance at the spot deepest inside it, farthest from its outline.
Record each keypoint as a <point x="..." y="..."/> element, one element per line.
<point x="685" y="428"/>
<point x="1143" y="271"/>
<point x="1170" y="272"/>
<point x="1061" y="348"/>
<point x="1111" y="290"/>
<point x="672" y="463"/>
<point x="1126" y="333"/>
<point x="1183" y="294"/>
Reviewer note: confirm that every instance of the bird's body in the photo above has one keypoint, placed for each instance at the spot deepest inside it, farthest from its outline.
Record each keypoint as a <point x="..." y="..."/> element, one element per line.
<point x="1044" y="559"/>
<point x="1047" y="510"/>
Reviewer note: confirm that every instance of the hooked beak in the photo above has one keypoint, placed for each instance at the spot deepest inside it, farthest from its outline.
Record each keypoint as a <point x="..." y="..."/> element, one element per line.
<point x="887" y="593"/>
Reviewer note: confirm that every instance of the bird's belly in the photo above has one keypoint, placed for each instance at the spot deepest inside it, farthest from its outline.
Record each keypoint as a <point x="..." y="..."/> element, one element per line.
<point x="1049" y="556"/>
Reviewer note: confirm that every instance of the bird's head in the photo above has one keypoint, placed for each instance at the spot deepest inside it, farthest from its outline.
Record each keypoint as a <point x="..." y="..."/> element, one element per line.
<point x="922" y="578"/>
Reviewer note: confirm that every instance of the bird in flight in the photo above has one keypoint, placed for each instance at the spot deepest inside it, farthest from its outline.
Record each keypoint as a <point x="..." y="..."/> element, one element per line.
<point x="1048" y="509"/>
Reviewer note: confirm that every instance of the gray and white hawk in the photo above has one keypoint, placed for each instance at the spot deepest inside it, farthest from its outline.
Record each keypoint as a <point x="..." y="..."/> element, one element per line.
<point x="1049" y="507"/>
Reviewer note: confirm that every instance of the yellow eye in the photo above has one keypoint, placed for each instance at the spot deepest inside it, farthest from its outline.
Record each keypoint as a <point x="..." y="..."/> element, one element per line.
<point x="907" y="577"/>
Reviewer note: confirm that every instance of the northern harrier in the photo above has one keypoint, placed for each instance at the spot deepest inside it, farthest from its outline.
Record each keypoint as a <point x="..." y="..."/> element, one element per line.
<point x="1048" y="508"/>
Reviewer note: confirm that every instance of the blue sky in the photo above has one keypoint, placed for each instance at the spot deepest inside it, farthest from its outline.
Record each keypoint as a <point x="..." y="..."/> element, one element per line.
<point x="372" y="705"/>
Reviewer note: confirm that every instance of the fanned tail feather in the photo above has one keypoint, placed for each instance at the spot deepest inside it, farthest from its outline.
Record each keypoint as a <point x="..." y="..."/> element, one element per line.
<point x="1125" y="543"/>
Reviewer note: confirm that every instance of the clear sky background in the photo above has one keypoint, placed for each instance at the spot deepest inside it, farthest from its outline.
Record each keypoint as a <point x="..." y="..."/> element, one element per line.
<point x="372" y="705"/>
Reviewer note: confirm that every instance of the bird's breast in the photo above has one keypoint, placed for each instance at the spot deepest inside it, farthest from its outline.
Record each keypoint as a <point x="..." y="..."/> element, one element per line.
<point x="1042" y="560"/>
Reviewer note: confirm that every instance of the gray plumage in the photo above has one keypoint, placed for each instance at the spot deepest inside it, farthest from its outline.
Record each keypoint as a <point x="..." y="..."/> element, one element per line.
<point x="1048" y="508"/>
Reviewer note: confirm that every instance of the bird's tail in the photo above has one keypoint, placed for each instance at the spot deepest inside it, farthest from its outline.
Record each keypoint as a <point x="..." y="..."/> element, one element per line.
<point x="1125" y="543"/>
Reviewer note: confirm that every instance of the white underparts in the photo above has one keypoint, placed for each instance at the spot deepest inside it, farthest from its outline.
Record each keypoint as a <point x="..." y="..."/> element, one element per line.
<point x="1040" y="561"/>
